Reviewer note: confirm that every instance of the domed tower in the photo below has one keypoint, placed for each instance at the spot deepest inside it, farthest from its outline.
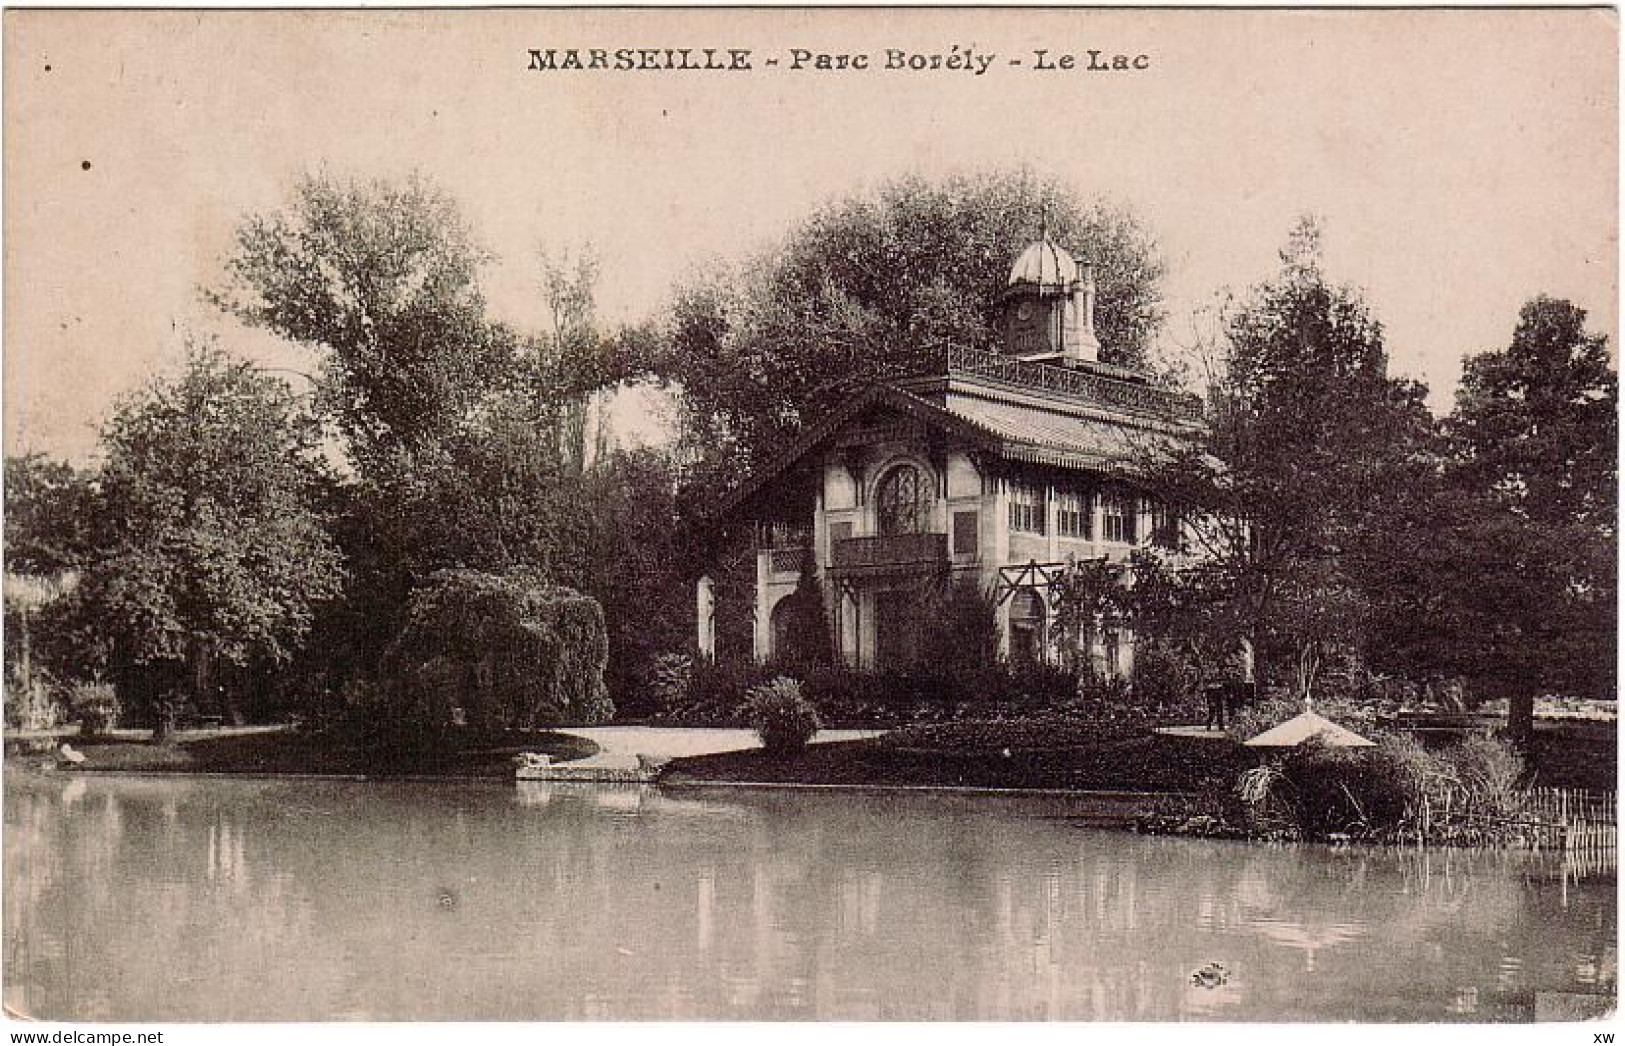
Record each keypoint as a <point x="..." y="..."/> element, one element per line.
<point x="1048" y="307"/>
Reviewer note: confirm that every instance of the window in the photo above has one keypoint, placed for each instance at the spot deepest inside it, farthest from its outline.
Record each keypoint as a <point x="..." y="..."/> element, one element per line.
<point x="1119" y="519"/>
<point x="1074" y="514"/>
<point x="839" y="532"/>
<point x="1026" y="507"/>
<point x="903" y="504"/>
<point x="965" y="532"/>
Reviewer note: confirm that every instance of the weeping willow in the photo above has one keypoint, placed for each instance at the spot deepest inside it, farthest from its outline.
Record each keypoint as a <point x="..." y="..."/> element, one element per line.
<point x="506" y="649"/>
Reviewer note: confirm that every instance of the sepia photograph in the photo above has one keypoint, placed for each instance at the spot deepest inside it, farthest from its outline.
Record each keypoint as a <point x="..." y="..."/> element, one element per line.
<point x="808" y="515"/>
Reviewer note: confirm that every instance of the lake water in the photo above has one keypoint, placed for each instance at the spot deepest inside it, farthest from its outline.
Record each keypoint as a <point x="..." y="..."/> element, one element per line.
<point x="175" y="899"/>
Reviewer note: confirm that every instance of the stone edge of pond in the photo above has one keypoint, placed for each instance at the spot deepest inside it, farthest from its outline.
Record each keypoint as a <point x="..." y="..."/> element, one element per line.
<point x="1118" y="798"/>
<point x="1140" y="799"/>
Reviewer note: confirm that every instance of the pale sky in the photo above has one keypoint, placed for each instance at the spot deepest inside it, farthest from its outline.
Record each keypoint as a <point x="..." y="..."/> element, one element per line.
<point x="1462" y="161"/>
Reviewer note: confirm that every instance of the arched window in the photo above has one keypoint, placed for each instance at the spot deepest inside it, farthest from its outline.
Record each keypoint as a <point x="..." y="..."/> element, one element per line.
<point x="1027" y="627"/>
<point x="903" y="502"/>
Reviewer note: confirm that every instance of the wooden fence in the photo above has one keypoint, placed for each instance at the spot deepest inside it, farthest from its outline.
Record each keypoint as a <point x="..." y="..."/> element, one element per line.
<point x="1580" y="823"/>
<point x="1572" y="804"/>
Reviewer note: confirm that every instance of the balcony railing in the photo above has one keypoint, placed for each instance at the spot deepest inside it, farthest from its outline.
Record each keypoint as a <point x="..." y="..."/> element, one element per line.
<point x="887" y="554"/>
<point x="1084" y="386"/>
<point x="788" y="560"/>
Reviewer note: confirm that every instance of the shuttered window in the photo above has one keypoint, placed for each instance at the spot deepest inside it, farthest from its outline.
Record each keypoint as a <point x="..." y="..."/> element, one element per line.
<point x="1074" y="514"/>
<point x="1119" y="516"/>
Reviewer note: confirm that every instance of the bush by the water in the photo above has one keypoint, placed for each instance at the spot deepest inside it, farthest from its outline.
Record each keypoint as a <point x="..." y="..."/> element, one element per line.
<point x="506" y="650"/>
<point x="1469" y="793"/>
<point x="781" y="716"/>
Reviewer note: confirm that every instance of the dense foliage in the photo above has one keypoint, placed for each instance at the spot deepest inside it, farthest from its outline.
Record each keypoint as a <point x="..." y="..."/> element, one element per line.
<point x="1339" y="537"/>
<point x="50" y="508"/>
<point x="469" y="443"/>
<point x="1397" y="792"/>
<point x="498" y="651"/>
<point x="1535" y="431"/>
<point x="875" y="286"/>
<point x="1308" y="441"/>
<point x="385" y="278"/>
<point x="713" y="693"/>
<point x="1341" y="534"/>
<point x="211" y="547"/>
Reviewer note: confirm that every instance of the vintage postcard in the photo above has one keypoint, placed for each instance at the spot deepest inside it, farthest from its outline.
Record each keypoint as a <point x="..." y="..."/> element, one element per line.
<point x="810" y="515"/>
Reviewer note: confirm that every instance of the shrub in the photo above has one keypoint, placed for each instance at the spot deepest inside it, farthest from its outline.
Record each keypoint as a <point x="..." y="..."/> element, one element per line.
<point x="95" y="706"/>
<point x="718" y="690"/>
<point x="671" y="680"/>
<point x="1396" y="792"/>
<point x="1270" y="709"/>
<point x="1106" y="699"/>
<point x="783" y="718"/>
<point x="963" y="631"/>
<point x="715" y="692"/>
<point x="1214" y="808"/>
<point x="1489" y="777"/>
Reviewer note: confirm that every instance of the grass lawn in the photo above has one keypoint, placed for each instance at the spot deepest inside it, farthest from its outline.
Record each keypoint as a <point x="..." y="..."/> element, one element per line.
<point x="1049" y="754"/>
<point x="288" y="750"/>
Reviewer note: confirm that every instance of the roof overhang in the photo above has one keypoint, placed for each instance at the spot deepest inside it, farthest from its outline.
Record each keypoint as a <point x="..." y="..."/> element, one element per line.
<point x="874" y="395"/>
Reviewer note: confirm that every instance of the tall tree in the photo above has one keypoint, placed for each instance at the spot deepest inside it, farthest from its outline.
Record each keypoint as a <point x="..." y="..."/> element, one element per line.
<point x="383" y="278"/>
<point x="212" y="548"/>
<point x="1534" y="437"/>
<point x="1537" y="423"/>
<point x="444" y="439"/>
<point x="1307" y="443"/>
<point x="874" y="286"/>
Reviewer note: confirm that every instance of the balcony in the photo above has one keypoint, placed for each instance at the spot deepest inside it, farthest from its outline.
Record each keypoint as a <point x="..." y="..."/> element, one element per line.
<point x="787" y="560"/>
<point x="889" y="554"/>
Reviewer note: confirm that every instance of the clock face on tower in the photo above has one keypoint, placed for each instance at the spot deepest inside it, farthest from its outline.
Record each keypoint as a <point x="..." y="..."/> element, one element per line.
<point x="1024" y="311"/>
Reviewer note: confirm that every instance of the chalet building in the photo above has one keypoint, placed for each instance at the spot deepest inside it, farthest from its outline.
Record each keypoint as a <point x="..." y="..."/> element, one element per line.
<point x="1001" y="466"/>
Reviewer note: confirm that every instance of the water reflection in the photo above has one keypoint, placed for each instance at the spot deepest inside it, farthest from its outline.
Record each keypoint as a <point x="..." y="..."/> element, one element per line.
<point x="146" y="898"/>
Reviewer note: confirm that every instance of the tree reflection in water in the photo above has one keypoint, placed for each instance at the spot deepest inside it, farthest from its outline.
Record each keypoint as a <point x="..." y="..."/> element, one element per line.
<point x="142" y="898"/>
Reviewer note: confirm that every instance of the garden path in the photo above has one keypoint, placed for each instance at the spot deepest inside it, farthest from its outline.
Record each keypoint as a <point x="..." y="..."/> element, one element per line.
<point x="620" y="746"/>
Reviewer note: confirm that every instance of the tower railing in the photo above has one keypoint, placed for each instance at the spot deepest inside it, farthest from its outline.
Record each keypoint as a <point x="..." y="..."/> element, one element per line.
<point x="1092" y="388"/>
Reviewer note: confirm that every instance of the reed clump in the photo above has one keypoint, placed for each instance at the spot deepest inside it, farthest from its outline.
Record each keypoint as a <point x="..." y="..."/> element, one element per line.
<point x="1398" y="792"/>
